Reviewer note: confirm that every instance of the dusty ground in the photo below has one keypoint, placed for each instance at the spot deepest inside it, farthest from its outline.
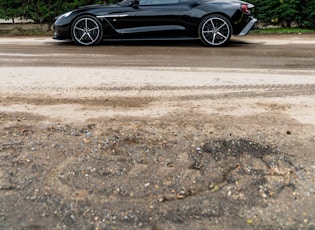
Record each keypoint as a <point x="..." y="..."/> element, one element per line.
<point x="192" y="147"/>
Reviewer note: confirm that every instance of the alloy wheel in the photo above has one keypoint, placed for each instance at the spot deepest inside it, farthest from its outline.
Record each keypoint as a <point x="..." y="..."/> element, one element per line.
<point x="86" y="31"/>
<point x="215" y="31"/>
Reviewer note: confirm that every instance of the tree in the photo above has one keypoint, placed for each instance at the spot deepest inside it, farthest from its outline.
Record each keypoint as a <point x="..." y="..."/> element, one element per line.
<point x="285" y="12"/>
<point x="10" y="9"/>
<point x="307" y="17"/>
<point x="45" y="11"/>
<point x="40" y="11"/>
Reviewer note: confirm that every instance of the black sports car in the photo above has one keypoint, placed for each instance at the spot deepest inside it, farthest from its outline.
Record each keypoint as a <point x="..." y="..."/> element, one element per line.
<point x="212" y="21"/>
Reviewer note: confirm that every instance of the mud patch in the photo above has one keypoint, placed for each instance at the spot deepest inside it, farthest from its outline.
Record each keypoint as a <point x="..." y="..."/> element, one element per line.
<point x="253" y="170"/>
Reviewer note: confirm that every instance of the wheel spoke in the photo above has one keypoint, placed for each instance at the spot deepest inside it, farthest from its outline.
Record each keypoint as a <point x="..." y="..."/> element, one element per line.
<point x="95" y="28"/>
<point x="208" y="31"/>
<point x="82" y="36"/>
<point x="78" y="28"/>
<point x="221" y="26"/>
<point x="86" y="23"/>
<point x="90" y="37"/>
<point x="213" y="38"/>
<point x="222" y="35"/>
<point x="212" y="23"/>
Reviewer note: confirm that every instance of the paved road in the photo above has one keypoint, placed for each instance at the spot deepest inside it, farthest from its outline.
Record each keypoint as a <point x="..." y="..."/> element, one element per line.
<point x="255" y="52"/>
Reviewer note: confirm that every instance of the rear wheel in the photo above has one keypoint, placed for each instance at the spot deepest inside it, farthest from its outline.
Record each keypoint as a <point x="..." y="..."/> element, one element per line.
<point x="215" y="30"/>
<point x="87" y="30"/>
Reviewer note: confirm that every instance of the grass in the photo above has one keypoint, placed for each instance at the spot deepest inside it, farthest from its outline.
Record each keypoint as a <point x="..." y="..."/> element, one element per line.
<point x="281" y="30"/>
<point x="24" y="30"/>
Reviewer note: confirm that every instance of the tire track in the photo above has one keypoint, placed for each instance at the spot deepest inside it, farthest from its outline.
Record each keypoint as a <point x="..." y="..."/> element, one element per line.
<point x="209" y="87"/>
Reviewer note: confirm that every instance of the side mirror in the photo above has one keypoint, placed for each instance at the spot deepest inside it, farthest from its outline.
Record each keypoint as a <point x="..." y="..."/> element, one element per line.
<point x="135" y="4"/>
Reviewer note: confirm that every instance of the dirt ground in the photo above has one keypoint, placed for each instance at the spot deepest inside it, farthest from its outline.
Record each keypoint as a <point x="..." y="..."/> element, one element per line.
<point x="229" y="150"/>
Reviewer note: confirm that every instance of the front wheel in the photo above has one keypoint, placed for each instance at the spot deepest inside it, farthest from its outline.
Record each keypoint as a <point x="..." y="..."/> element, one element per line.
<point x="215" y="30"/>
<point x="86" y="31"/>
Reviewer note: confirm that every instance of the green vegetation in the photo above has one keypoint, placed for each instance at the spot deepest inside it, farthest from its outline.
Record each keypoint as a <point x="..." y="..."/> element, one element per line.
<point x="40" y="11"/>
<point x="285" y="12"/>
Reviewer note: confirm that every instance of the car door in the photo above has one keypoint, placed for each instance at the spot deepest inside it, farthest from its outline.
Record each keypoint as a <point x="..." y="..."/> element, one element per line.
<point x="151" y="16"/>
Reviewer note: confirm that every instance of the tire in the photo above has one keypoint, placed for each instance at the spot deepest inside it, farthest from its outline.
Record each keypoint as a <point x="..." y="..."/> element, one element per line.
<point x="215" y="30"/>
<point x="87" y="30"/>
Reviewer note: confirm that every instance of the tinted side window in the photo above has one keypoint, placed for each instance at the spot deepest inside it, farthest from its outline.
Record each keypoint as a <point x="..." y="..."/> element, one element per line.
<point x="157" y="2"/>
